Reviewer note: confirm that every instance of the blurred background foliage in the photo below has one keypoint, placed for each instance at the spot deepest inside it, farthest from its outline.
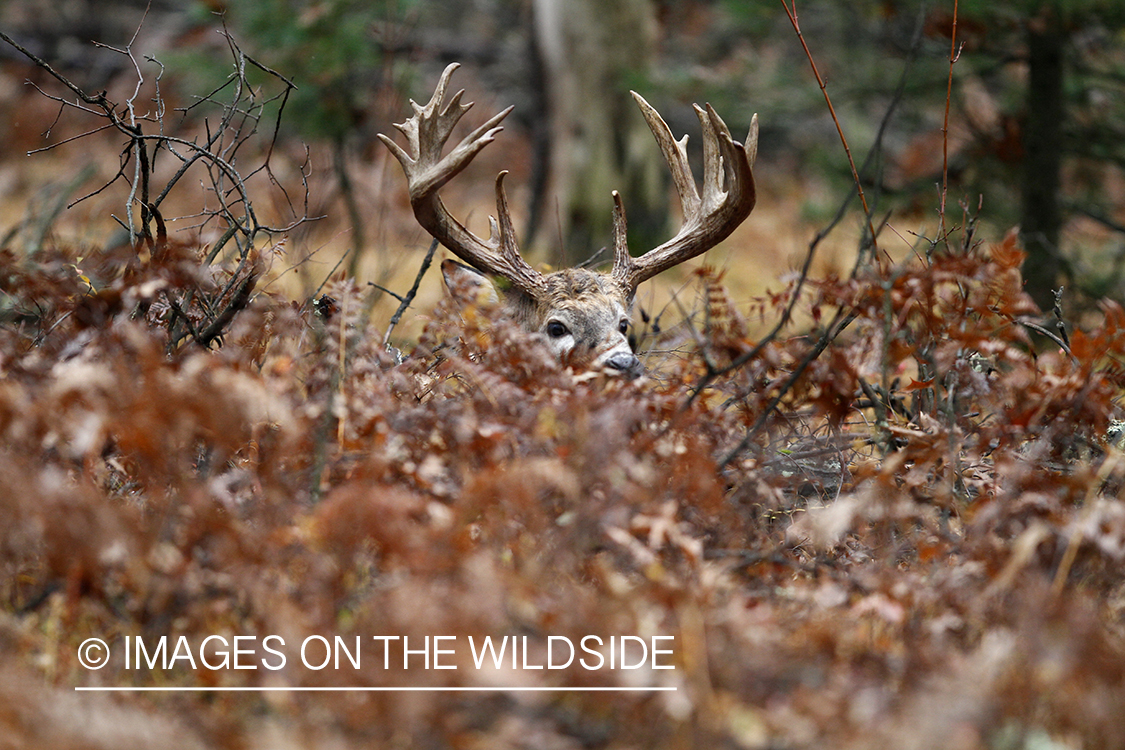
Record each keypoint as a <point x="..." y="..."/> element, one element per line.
<point x="327" y="46"/>
<point x="1035" y="115"/>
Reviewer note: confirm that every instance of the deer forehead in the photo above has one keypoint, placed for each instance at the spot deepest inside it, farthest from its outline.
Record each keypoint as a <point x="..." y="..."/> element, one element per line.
<point x="576" y="292"/>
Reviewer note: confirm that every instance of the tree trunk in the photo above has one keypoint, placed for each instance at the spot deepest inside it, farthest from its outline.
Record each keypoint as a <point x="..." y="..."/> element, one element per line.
<point x="590" y="49"/>
<point x="1041" y="219"/>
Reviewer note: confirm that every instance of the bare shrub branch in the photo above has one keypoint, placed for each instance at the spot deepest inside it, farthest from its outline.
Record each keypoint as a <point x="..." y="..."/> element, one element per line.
<point x="230" y="116"/>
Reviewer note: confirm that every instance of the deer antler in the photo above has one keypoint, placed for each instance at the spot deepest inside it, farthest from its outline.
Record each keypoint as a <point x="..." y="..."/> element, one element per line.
<point x="708" y="218"/>
<point x="426" y="173"/>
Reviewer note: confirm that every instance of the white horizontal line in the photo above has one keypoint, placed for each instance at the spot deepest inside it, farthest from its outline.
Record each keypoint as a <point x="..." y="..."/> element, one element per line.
<point x="190" y="689"/>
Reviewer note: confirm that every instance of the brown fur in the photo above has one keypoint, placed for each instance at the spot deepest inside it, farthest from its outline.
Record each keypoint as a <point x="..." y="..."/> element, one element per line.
<point x="591" y="306"/>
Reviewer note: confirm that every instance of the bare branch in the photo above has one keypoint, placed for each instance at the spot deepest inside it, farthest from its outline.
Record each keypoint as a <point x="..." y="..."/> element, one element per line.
<point x="204" y="314"/>
<point x="953" y="55"/>
<point x="99" y="100"/>
<point x="791" y="11"/>
<point x="409" y="298"/>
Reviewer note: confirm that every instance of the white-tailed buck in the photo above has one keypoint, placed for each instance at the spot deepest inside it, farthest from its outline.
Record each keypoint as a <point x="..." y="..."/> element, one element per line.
<point x="583" y="315"/>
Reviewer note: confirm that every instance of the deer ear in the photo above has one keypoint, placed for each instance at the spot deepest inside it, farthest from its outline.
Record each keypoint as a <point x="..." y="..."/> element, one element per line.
<point x="468" y="286"/>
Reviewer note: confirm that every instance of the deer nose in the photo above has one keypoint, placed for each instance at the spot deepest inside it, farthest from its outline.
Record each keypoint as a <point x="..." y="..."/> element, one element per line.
<point x="624" y="362"/>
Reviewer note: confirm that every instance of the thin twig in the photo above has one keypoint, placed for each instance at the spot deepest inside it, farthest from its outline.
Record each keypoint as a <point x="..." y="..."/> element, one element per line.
<point x="65" y="141"/>
<point x="384" y="290"/>
<point x="97" y="101"/>
<point x="954" y="54"/>
<point x="409" y="298"/>
<point x="791" y="12"/>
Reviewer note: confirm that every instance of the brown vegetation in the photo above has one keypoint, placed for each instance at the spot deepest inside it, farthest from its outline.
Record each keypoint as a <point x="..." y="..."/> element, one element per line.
<point x="921" y="547"/>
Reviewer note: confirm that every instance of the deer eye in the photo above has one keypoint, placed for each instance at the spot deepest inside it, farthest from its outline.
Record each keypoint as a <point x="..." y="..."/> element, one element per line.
<point x="623" y="326"/>
<point x="556" y="330"/>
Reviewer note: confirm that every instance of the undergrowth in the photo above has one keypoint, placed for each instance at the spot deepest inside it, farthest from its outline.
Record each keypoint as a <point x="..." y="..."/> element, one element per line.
<point x="922" y="547"/>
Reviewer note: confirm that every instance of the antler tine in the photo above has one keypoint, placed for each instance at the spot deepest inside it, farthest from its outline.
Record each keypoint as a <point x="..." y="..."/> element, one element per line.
<point x="621" y="258"/>
<point x="715" y="158"/>
<point x="675" y="153"/>
<point x="727" y="198"/>
<point x="752" y="141"/>
<point x="510" y="263"/>
<point x="426" y="172"/>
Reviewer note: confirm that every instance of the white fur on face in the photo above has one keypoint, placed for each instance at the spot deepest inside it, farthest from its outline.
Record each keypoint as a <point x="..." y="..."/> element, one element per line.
<point x="587" y="332"/>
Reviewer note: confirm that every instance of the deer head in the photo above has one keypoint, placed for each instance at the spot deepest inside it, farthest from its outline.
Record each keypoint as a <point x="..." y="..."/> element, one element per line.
<point x="582" y="314"/>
